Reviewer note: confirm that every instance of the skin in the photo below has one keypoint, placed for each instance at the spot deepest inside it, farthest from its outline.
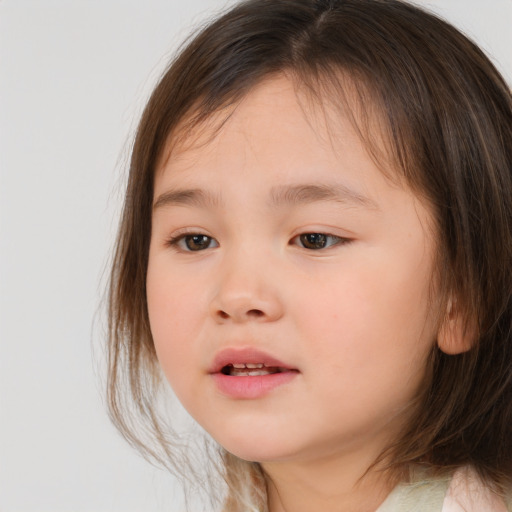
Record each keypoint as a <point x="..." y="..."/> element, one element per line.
<point x="352" y="318"/>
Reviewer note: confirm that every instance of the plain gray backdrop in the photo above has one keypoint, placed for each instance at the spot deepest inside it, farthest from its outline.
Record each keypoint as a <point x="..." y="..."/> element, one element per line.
<point x="74" y="76"/>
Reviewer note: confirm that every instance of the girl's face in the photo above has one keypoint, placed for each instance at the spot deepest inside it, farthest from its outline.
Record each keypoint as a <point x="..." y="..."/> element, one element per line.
<point x="288" y="284"/>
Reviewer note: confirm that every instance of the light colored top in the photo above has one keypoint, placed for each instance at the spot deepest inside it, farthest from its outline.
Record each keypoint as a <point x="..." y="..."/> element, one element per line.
<point x="423" y="496"/>
<point x="463" y="493"/>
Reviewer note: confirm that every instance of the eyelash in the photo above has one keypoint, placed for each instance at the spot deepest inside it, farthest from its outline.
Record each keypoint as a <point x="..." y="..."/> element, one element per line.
<point x="180" y="242"/>
<point x="321" y="238"/>
<point x="177" y="241"/>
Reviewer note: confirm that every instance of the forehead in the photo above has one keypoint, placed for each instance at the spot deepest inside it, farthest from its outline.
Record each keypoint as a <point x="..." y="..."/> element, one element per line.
<point x="325" y="116"/>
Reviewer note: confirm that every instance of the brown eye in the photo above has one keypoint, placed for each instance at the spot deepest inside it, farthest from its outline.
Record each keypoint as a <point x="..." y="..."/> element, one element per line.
<point x="316" y="241"/>
<point x="197" y="242"/>
<point x="194" y="242"/>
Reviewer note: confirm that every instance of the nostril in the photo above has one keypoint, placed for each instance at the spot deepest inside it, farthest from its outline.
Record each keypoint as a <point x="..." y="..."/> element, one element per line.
<point x="251" y="313"/>
<point x="255" y="313"/>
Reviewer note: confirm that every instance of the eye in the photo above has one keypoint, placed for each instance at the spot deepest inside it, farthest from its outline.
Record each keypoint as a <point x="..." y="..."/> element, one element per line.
<point x="193" y="242"/>
<point x="316" y="241"/>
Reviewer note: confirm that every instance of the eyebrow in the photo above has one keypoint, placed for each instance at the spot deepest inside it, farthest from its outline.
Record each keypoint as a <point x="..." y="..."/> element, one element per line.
<point x="310" y="193"/>
<point x="187" y="197"/>
<point x="279" y="196"/>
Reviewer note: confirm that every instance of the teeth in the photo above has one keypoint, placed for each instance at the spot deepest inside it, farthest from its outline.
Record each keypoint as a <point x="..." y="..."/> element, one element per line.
<point x="240" y="366"/>
<point x="249" y="372"/>
<point x="250" y="369"/>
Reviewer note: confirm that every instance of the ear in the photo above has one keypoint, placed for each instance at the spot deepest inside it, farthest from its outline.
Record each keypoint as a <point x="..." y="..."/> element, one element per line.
<point x="455" y="334"/>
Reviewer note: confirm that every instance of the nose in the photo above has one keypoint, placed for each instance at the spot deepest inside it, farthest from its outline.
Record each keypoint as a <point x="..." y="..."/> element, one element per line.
<point x="246" y="292"/>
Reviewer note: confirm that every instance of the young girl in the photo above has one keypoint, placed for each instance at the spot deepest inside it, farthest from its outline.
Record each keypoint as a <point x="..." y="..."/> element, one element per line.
<point x="315" y="250"/>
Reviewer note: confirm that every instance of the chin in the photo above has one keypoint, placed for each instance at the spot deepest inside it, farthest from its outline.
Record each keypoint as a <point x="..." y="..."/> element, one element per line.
<point x="257" y="448"/>
<point x="251" y="451"/>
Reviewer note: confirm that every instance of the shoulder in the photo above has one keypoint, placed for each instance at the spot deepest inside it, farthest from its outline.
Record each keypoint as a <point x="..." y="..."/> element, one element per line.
<point x="464" y="491"/>
<point x="467" y="493"/>
<point x="421" y="495"/>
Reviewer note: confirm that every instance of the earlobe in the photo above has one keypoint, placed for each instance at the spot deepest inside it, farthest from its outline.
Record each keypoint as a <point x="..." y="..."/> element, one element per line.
<point x="455" y="335"/>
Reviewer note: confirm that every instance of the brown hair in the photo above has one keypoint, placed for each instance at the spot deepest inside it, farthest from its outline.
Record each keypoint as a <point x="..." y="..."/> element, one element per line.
<point x="447" y="120"/>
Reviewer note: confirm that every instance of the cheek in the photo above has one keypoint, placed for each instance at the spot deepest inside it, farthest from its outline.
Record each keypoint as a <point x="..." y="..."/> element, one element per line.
<point x="373" y="341"/>
<point x="173" y="309"/>
<point x="378" y="311"/>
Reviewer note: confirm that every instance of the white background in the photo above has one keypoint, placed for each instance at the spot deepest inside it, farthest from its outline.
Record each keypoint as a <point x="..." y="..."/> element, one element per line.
<point x="74" y="75"/>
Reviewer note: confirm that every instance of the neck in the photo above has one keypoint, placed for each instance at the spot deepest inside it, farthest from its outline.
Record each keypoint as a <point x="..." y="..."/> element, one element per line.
<point x="331" y="484"/>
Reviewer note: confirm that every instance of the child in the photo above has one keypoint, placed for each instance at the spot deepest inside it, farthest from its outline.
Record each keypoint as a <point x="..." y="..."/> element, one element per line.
<point x="315" y="250"/>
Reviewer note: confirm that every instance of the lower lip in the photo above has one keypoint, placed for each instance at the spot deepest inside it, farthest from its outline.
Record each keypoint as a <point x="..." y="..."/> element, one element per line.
<point x="250" y="388"/>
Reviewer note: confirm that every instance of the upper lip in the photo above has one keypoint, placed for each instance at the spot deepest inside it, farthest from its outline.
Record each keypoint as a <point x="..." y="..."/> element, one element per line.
<point x="245" y="355"/>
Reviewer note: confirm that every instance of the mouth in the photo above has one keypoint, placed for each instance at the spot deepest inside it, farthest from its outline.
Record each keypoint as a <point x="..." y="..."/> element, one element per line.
<point x="250" y="369"/>
<point x="250" y="374"/>
<point x="247" y="362"/>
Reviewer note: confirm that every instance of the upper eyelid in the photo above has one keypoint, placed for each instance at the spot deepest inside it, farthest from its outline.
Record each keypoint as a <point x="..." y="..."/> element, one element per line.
<point x="176" y="233"/>
<point x="342" y="236"/>
<point x="198" y="231"/>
